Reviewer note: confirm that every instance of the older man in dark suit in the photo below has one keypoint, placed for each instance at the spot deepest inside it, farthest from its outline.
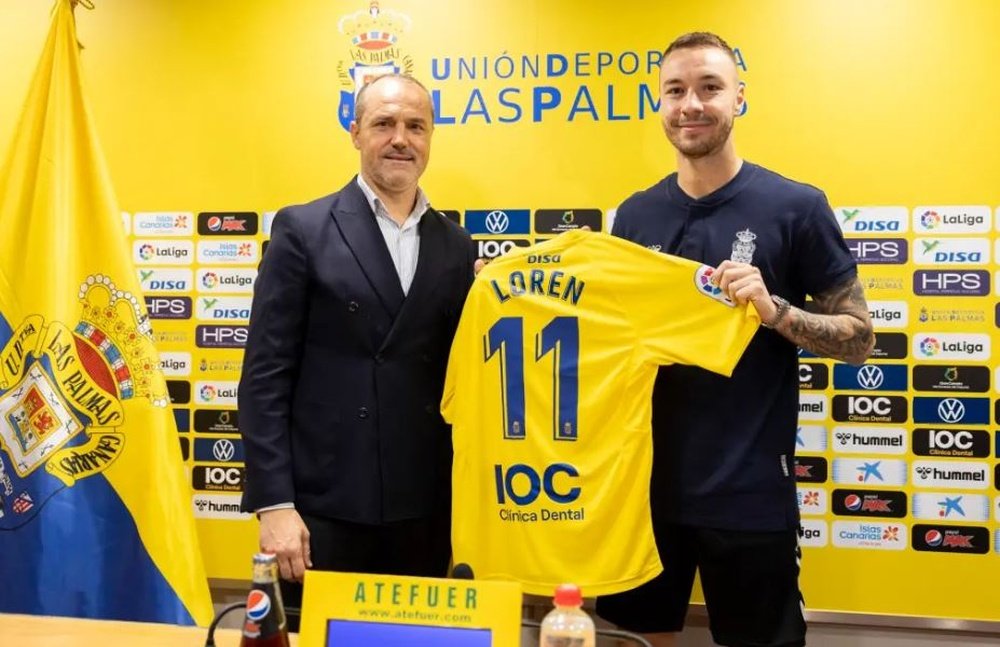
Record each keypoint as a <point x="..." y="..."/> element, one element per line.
<point x="348" y="460"/>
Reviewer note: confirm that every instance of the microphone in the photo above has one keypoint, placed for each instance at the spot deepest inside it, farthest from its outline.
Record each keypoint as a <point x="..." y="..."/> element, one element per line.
<point x="462" y="571"/>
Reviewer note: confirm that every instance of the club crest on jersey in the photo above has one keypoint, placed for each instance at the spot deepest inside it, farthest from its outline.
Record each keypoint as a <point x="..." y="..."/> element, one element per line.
<point x="703" y="281"/>
<point x="63" y="389"/>
<point x="743" y="247"/>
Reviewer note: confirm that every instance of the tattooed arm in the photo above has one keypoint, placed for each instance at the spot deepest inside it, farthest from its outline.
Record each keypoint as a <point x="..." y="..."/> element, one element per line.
<point x="841" y="327"/>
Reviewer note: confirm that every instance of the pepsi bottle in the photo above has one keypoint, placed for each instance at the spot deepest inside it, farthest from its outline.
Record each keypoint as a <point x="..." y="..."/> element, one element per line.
<point x="264" y="625"/>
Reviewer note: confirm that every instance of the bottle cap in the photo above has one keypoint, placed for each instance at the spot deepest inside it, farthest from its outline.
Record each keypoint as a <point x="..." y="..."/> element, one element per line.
<point x="568" y="595"/>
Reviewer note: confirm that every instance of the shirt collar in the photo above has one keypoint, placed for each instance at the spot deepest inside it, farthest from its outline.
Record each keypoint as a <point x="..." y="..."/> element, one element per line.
<point x="419" y="207"/>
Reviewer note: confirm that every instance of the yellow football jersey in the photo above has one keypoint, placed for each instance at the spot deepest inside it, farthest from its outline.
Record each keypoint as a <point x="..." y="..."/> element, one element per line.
<point x="549" y="392"/>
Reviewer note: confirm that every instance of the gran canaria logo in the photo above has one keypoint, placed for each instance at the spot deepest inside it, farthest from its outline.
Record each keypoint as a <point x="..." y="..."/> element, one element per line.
<point x="374" y="51"/>
<point x="62" y="390"/>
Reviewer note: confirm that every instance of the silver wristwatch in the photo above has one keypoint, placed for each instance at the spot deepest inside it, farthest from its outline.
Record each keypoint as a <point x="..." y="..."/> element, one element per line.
<point x="783" y="305"/>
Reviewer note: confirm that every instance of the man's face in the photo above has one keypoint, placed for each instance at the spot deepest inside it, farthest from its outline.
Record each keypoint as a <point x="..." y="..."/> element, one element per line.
<point x="700" y="95"/>
<point x="394" y="135"/>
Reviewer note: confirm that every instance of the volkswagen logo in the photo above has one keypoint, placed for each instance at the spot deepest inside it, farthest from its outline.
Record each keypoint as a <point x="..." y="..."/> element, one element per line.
<point x="497" y="222"/>
<point x="870" y="377"/>
<point x="223" y="450"/>
<point x="951" y="410"/>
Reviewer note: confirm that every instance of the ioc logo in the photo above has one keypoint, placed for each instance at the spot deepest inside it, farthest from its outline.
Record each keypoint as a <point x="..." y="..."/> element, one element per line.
<point x="522" y="484"/>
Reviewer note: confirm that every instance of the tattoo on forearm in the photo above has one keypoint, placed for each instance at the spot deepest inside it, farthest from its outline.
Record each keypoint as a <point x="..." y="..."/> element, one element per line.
<point x="841" y="328"/>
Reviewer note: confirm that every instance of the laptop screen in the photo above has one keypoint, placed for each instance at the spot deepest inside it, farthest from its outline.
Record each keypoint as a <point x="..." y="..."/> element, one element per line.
<point x="349" y="633"/>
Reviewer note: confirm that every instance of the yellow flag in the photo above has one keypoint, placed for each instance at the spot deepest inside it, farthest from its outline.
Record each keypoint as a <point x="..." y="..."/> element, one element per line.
<point x="95" y="511"/>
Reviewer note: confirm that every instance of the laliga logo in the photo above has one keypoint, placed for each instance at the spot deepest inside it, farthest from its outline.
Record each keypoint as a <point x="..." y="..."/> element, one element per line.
<point x="210" y="280"/>
<point x="207" y="393"/>
<point x="951" y="410"/>
<point x="497" y="222"/>
<point x="703" y="280"/>
<point x="146" y="252"/>
<point x="930" y="219"/>
<point x="930" y="346"/>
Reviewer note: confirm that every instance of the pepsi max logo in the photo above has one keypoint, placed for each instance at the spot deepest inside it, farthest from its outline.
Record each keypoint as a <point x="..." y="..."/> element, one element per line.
<point x="869" y="503"/>
<point x="258" y="605"/>
<point x="951" y="539"/>
<point x="236" y="223"/>
<point x="810" y="469"/>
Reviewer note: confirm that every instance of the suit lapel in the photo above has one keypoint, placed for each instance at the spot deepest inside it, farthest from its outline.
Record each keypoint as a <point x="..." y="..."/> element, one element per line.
<point x="357" y="224"/>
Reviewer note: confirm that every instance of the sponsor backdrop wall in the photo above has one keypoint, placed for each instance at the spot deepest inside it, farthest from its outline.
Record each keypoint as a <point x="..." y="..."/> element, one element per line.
<point x="215" y="114"/>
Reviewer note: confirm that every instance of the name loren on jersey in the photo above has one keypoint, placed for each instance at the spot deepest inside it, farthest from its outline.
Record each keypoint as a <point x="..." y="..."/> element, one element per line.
<point x="540" y="282"/>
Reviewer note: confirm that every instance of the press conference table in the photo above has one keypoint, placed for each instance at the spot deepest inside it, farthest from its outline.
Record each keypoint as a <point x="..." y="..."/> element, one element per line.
<point x="46" y="631"/>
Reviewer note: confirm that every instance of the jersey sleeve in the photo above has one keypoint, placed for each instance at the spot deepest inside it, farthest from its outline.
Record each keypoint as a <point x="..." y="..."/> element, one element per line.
<point x="822" y="259"/>
<point x="678" y="315"/>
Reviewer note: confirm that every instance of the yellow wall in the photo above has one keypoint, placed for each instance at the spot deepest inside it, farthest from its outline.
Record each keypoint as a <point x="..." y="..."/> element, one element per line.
<point x="207" y="105"/>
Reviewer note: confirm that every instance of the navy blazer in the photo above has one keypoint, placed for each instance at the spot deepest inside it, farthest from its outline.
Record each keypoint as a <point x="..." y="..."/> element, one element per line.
<point x="343" y="374"/>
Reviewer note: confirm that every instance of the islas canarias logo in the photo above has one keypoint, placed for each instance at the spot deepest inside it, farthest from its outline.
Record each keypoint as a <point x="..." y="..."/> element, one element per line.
<point x="374" y="50"/>
<point x="63" y="391"/>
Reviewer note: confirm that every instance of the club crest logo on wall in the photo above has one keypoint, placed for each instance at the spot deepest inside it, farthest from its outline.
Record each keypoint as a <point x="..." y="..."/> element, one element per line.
<point x="63" y="392"/>
<point x="374" y="50"/>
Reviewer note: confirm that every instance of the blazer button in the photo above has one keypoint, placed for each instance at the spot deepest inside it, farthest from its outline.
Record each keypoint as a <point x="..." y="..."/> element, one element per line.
<point x="353" y="306"/>
<point x="429" y="408"/>
<point x="379" y="358"/>
<point x="363" y="412"/>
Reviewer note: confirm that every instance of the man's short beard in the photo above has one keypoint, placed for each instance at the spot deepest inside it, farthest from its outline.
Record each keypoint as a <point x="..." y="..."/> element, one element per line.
<point x="703" y="148"/>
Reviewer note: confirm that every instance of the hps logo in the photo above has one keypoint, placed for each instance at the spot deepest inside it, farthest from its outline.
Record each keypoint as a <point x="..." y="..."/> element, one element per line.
<point x="878" y="251"/>
<point x="951" y="283"/>
<point x="872" y="220"/>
